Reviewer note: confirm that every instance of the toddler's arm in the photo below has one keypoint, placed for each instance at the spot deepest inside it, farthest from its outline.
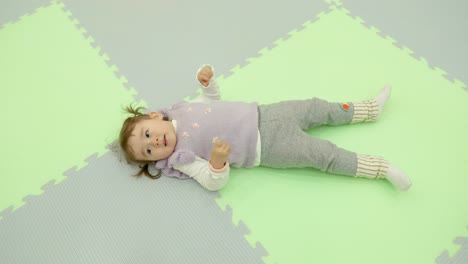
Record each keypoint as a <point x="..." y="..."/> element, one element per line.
<point x="208" y="177"/>
<point x="213" y="174"/>
<point x="209" y="86"/>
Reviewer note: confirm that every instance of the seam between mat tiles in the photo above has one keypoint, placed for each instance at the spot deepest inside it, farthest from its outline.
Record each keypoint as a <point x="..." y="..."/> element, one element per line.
<point x="249" y="236"/>
<point x="95" y="46"/>
<point x="21" y="17"/>
<point x="50" y="184"/>
<point x="106" y="57"/>
<point x="275" y="44"/>
<point x="445" y="258"/>
<point x="338" y="5"/>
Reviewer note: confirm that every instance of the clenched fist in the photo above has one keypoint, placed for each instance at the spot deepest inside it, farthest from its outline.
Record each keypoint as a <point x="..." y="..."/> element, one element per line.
<point x="219" y="154"/>
<point x="204" y="75"/>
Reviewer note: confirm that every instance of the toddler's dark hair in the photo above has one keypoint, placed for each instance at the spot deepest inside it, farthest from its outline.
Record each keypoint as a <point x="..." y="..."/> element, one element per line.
<point x="126" y="131"/>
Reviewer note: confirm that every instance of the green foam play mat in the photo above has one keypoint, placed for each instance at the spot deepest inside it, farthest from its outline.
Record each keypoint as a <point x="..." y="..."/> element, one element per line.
<point x="306" y="216"/>
<point x="57" y="91"/>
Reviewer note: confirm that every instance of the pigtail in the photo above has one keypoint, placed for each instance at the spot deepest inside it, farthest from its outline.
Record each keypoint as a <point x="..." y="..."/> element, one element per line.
<point x="144" y="169"/>
<point x="134" y="110"/>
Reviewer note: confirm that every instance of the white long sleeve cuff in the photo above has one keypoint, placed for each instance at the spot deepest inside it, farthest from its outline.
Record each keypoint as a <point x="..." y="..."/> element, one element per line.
<point x="201" y="171"/>
<point x="211" y="92"/>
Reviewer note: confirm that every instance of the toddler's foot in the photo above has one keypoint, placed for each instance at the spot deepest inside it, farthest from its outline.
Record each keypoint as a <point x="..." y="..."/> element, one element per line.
<point x="398" y="178"/>
<point x="382" y="97"/>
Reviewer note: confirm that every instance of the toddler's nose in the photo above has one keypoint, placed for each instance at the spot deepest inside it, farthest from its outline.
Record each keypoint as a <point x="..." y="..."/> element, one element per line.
<point x="159" y="141"/>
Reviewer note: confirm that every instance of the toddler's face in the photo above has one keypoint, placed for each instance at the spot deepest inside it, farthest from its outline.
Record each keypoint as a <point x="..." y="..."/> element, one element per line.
<point x="153" y="139"/>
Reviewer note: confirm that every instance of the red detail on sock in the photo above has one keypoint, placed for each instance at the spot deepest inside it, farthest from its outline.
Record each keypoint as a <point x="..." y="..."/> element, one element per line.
<point x="346" y="106"/>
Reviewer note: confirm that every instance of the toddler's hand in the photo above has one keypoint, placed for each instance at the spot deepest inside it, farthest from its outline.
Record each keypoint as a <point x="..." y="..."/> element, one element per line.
<point x="219" y="154"/>
<point x="204" y="75"/>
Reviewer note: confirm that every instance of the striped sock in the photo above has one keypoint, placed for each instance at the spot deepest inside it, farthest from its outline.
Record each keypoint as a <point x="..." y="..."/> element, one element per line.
<point x="371" y="167"/>
<point x="366" y="111"/>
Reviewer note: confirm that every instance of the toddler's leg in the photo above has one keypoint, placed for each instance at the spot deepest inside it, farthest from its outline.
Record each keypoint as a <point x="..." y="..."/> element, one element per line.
<point x="310" y="113"/>
<point x="315" y="112"/>
<point x="290" y="147"/>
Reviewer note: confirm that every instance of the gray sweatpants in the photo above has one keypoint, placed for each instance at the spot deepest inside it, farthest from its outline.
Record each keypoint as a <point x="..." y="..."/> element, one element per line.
<point x="285" y="144"/>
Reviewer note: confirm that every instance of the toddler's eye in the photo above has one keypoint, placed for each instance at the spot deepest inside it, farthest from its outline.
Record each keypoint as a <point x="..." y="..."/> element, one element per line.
<point x="147" y="133"/>
<point x="148" y="150"/>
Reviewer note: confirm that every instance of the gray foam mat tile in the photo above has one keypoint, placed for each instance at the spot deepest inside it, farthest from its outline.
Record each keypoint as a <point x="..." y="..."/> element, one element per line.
<point x="435" y="30"/>
<point x="159" y="45"/>
<point x="101" y="214"/>
<point x="12" y="10"/>
<point x="460" y="257"/>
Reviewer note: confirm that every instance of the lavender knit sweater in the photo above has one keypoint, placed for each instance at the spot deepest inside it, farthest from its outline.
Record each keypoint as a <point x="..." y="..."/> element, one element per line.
<point x="199" y="124"/>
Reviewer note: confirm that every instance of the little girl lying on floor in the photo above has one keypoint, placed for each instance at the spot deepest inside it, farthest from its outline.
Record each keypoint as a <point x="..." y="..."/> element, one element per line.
<point x="203" y="138"/>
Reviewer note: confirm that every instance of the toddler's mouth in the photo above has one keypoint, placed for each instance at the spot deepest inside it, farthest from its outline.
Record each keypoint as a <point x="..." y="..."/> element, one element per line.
<point x="165" y="141"/>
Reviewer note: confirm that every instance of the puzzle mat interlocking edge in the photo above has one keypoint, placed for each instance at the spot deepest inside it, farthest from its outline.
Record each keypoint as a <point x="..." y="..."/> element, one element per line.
<point x="236" y="70"/>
